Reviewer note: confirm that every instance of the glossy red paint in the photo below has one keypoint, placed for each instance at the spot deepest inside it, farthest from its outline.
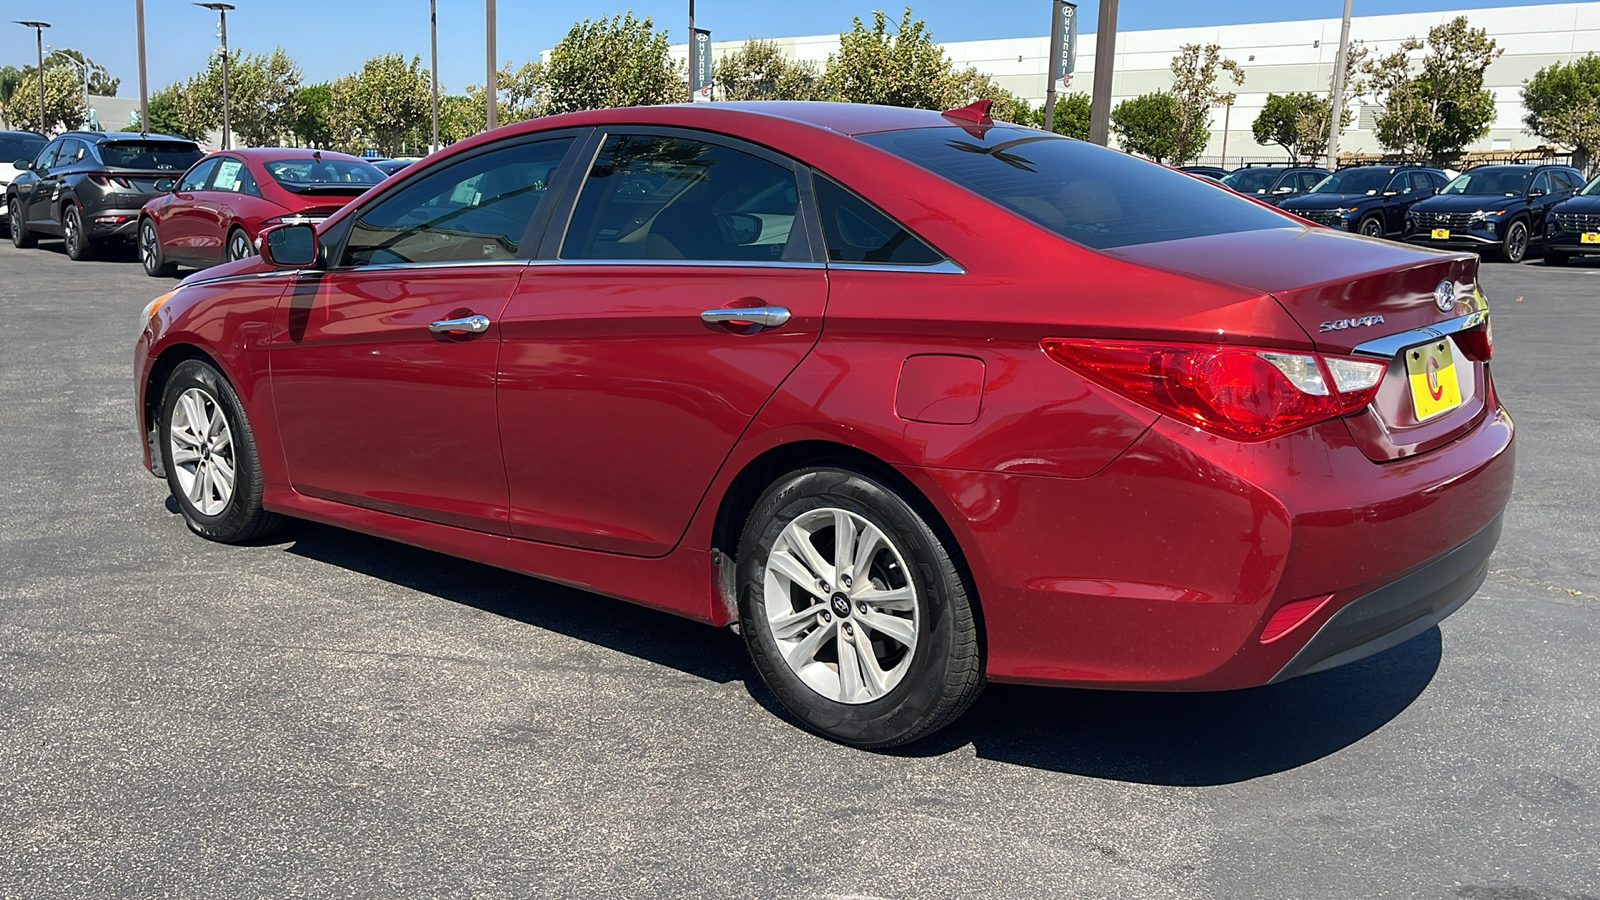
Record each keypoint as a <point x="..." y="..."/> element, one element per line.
<point x="596" y="433"/>
<point x="193" y="226"/>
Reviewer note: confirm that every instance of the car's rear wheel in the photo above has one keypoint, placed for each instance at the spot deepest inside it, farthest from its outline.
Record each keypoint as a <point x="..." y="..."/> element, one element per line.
<point x="79" y="247"/>
<point x="239" y="245"/>
<point x="1514" y="246"/>
<point x="854" y="611"/>
<point x="20" y="236"/>
<point x="155" y="264"/>
<point x="210" y="458"/>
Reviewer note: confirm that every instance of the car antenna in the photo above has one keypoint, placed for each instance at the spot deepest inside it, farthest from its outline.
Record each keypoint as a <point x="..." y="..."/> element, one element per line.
<point x="316" y="155"/>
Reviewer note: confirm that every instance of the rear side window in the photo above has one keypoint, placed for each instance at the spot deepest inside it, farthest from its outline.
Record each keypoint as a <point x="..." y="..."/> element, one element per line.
<point x="659" y="197"/>
<point x="857" y="232"/>
<point x="161" y="156"/>
<point x="233" y="177"/>
<point x="476" y="209"/>
<point x="1089" y="194"/>
<point x="1421" y="182"/>
<point x="1309" y="180"/>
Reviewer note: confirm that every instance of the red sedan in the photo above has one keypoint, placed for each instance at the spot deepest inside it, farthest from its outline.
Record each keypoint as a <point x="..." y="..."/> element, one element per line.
<point x="916" y="400"/>
<point x="215" y="211"/>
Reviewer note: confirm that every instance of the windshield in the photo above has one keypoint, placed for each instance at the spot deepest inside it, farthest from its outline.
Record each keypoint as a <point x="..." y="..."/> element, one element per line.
<point x="327" y="175"/>
<point x="1353" y="181"/>
<point x="1088" y="194"/>
<point x="1498" y="182"/>
<point x="1252" y="181"/>
<point x="15" y="148"/>
<point x="1592" y="190"/>
<point x="165" y="156"/>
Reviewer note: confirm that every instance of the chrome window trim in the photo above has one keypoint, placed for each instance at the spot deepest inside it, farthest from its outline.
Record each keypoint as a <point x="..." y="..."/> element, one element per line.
<point x="1388" y="346"/>
<point x="430" y="264"/>
<point x="945" y="266"/>
<point x="678" y="263"/>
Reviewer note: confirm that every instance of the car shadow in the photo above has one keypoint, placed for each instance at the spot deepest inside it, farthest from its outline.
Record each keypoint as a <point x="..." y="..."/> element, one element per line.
<point x="1188" y="739"/>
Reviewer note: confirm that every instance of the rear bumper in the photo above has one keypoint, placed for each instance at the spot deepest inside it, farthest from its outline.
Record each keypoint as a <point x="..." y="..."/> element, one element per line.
<point x="109" y="223"/>
<point x="1398" y="611"/>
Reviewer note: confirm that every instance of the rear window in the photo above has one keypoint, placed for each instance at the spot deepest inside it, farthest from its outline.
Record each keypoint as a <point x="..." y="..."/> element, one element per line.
<point x="175" y="156"/>
<point x="310" y="175"/>
<point x="1252" y="181"/>
<point x="1089" y="194"/>
<point x="14" y="148"/>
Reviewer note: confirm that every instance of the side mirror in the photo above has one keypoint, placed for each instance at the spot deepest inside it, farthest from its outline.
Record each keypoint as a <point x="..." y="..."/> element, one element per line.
<point x="1536" y="192"/>
<point x="292" y="247"/>
<point x="1391" y="193"/>
<point x="1436" y="191"/>
<point x="1284" y="190"/>
<point x="165" y="185"/>
<point x="22" y="165"/>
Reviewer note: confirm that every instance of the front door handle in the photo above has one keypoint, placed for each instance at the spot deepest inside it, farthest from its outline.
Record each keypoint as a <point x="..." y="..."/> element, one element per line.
<point x="477" y="324"/>
<point x="765" y="316"/>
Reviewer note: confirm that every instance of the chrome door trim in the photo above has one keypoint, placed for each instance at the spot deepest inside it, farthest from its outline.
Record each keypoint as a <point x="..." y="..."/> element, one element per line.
<point x="679" y="263"/>
<point x="1387" y="346"/>
<point x="765" y="316"/>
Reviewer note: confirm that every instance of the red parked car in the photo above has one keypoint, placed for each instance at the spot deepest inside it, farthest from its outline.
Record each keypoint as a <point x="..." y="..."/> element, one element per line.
<point x="215" y="211"/>
<point x="917" y="400"/>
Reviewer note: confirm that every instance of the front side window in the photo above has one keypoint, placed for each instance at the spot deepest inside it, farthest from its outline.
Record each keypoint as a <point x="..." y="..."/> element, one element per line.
<point x="1097" y="197"/>
<point x="476" y="209"/>
<point x="47" y="157"/>
<point x="195" y="178"/>
<point x="657" y="197"/>
<point x="1541" y="183"/>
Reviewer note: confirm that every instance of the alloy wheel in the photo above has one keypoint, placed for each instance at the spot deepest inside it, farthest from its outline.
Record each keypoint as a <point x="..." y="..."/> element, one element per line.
<point x="71" y="232"/>
<point x="147" y="246"/>
<point x="238" y="246"/>
<point x="1516" y="242"/>
<point x="203" y="455"/>
<point x="1372" y="228"/>
<point x="841" y="606"/>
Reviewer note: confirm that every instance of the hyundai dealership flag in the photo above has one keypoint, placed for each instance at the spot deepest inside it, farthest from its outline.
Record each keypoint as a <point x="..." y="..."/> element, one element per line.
<point x="1067" y="53"/>
<point x="700" y="65"/>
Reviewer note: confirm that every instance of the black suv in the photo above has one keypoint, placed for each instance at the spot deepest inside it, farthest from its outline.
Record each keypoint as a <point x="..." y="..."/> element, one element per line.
<point x="1573" y="227"/>
<point x="88" y="186"/>
<point x="1369" y="200"/>
<point x="1497" y="209"/>
<point x="1274" y="184"/>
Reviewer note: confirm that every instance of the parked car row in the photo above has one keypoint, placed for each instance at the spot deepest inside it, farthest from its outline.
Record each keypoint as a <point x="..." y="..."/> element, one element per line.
<point x="181" y="205"/>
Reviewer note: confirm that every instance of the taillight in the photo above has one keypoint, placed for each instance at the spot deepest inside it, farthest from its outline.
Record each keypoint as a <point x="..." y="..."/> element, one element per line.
<point x="1477" y="343"/>
<point x="105" y="180"/>
<point x="1242" y="393"/>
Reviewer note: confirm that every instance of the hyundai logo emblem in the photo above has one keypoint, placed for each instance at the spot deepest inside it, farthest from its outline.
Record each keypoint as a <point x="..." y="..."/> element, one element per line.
<point x="1444" y="296"/>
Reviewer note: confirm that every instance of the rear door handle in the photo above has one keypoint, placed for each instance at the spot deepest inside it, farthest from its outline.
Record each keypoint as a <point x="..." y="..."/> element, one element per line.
<point x="765" y="316"/>
<point x="476" y="324"/>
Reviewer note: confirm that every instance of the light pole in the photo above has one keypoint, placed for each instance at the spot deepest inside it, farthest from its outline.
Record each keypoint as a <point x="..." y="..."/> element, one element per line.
<point x="433" y="41"/>
<point x="38" y="34"/>
<point x="222" y="32"/>
<point x="1105" y="54"/>
<point x="491" y="83"/>
<point x="691" y="51"/>
<point x="1336" y="102"/>
<point x="144" y="85"/>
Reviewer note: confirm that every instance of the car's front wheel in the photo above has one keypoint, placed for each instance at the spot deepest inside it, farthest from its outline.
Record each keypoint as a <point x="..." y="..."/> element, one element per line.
<point x="1514" y="246"/>
<point x="20" y="236"/>
<point x="1371" y="226"/>
<point x="150" y="256"/>
<point x="79" y="247"/>
<point x="854" y="610"/>
<point x="210" y="458"/>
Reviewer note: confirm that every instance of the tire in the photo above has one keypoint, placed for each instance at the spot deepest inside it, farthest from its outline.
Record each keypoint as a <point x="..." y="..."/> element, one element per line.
<point x="1371" y="226"/>
<point x="20" y="236"/>
<point x="155" y="264"/>
<point x="201" y="418"/>
<point x="1514" y="246"/>
<point x="925" y="665"/>
<point x="79" y="246"/>
<point x="238" y="246"/>
<point x="1554" y="258"/>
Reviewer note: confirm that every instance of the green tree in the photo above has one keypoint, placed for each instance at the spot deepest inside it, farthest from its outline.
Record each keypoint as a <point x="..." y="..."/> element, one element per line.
<point x="263" y="103"/>
<point x="1296" y="122"/>
<point x="378" y="106"/>
<point x="519" y="95"/>
<point x="760" y="71"/>
<point x="1435" y="109"/>
<point x="603" y="63"/>
<point x="1072" y="115"/>
<point x="10" y="77"/>
<point x="903" y="69"/>
<point x="311" y="124"/>
<point x="168" y="107"/>
<point x="63" y="101"/>
<point x="969" y="85"/>
<point x="1148" y="125"/>
<point x="101" y="84"/>
<point x="1563" y="103"/>
<point x="1195" y="71"/>
<point x="460" y="116"/>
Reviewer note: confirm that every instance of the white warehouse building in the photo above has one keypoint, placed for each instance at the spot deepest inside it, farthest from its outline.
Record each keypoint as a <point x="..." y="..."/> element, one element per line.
<point x="1277" y="58"/>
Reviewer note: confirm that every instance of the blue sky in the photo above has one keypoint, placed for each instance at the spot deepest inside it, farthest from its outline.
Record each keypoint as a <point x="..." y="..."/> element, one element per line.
<point x="329" y="38"/>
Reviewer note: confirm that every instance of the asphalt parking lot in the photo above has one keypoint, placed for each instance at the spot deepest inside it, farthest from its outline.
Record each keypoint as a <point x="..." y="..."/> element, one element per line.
<point x="330" y="714"/>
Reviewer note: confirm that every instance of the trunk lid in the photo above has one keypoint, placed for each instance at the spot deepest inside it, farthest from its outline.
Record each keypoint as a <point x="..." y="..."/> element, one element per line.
<point x="1345" y="291"/>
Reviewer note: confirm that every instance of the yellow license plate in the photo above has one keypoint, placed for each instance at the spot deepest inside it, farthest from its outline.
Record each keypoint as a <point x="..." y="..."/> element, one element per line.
<point x="1441" y="234"/>
<point x="1432" y="371"/>
<point x="1589" y="237"/>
